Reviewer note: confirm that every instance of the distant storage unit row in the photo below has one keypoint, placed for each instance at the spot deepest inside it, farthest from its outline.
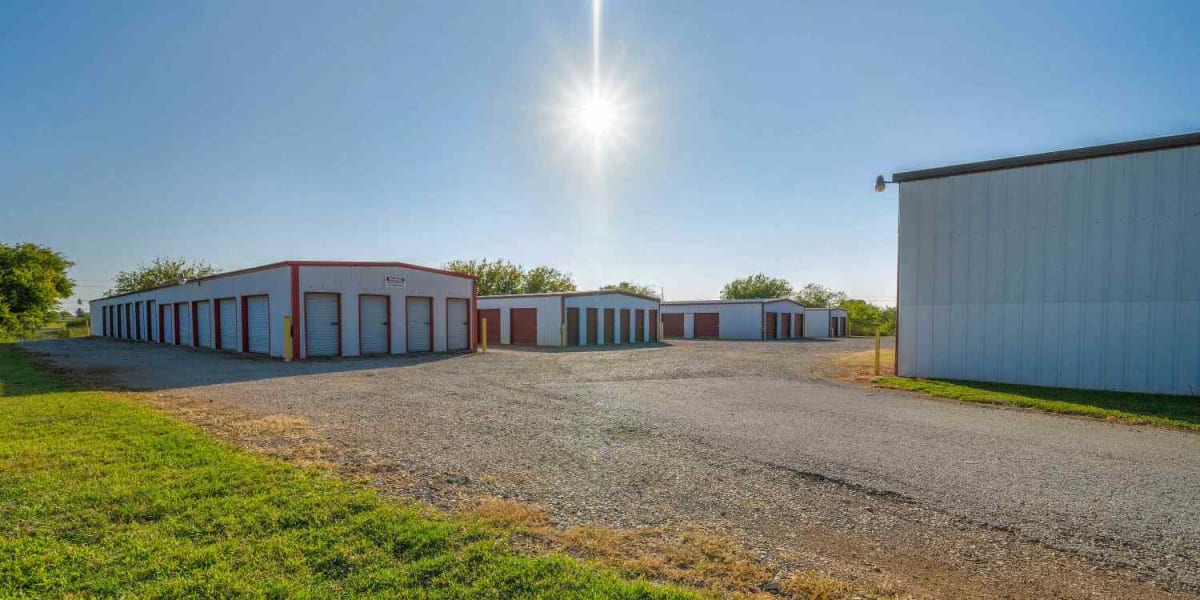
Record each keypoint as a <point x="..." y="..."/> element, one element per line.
<point x="754" y="319"/>
<point x="826" y="322"/>
<point x="335" y="309"/>
<point x="602" y="318"/>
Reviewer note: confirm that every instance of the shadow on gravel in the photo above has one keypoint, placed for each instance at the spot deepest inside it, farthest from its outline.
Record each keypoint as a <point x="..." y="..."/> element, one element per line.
<point x="103" y="364"/>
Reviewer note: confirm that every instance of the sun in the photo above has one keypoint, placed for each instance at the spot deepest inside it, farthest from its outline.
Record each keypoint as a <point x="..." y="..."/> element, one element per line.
<point x="597" y="116"/>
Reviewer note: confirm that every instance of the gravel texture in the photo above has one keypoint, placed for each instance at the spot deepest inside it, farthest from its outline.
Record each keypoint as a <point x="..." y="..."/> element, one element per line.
<point x="935" y="498"/>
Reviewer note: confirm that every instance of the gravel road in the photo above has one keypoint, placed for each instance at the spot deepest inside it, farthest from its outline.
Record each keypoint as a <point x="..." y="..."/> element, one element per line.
<point x="939" y="498"/>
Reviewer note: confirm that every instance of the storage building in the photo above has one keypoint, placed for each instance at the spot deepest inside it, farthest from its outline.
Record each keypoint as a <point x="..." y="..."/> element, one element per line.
<point x="598" y="318"/>
<point x="749" y="319"/>
<point x="1076" y="268"/>
<point x="338" y="309"/>
<point x="826" y="323"/>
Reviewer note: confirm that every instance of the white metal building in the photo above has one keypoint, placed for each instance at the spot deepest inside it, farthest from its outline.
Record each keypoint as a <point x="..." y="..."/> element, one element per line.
<point x="599" y="318"/>
<point x="339" y="309"/>
<point x="749" y="319"/>
<point x="1078" y="268"/>
<point x="826" y="323"/>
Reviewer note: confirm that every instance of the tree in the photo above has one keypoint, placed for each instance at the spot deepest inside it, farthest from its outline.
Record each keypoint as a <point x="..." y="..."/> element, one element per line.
<point x="160" y="272"/>
<point x="816" y="295"/>
<point x="33" y="279"/>
<point x="756" y="286"/>
<point x="547" y="279"/>
<point x="494" y="277"/>
<point x="633" y="288"/>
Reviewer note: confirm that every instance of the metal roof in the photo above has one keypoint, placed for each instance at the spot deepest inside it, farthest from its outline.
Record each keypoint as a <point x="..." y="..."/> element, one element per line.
<point x="583" y="293"/>
<point x="735" y="301"/>
<point x="1159" y="143"/>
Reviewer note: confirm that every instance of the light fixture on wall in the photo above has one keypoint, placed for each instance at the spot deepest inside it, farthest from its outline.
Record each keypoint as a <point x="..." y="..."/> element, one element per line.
<point x="881" y="184"/>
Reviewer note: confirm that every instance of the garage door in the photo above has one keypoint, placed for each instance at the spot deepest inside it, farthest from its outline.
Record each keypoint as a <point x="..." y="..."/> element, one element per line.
<point x="321" y="325"/>
<point x="185" y="323"/>
<point x="673" y="325"/>
<point x="785" y="325"/>
<point x="593" y="326"/>
<point x="654" y="325"/>
<point x="800" y="325"/>
<point x="624" y="326"/>
<point x="167" y="317"/>
<point x="769" y="326"/>
<point x="227" y="324"/>
<point x="204" y="323"/>
<point x="419" y="316"/>
<point x="639" y="319"/>
<point x="373" y="324"/>
<point x="523" y="326"/>
<point x="609" y="325"/>
<point x="573" y="326"/>
<point x="258" y="324"/>
<point x="457" y="325"/>
<point x="708" y="325"/>
<point x="151" y="320"/>
<point x="492" y="315"/>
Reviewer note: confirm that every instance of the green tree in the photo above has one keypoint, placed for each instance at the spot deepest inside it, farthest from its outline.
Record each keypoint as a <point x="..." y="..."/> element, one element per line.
<point x="756" y="286"/>
<point x="864" y="317"/>
<point x="816" y="295"/>
<point x="633" y="288"/>
<point x="546" y="279"/>
<point x="33" y="279"/>
<point x="494" y="277"/>
<point x="160" y="272"/>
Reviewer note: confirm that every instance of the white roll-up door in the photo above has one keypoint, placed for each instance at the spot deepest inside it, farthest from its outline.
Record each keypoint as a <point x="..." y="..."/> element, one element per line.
<point x="204" y="324"/>
<point x="373" y="324"/>
<point x="419" y="318"/>
<point x="185" y="324"/>
<point x="258" y="325"/>
<point x="457" y="325"/>
<point x="168" y="323"/>
<point x="227" y="321"/>
<point x="321" y="324"/>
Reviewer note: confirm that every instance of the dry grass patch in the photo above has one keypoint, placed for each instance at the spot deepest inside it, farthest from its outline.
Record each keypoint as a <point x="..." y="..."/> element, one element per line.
<point x="859" y="367"/>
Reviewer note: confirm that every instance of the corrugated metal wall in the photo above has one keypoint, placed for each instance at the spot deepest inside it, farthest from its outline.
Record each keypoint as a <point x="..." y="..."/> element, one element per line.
<point x="1077" y="274"/>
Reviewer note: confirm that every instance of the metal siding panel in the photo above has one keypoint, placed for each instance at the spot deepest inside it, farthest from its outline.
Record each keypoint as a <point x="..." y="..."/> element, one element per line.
<point x="1120" y="239"/>
<point x="1142" y="262"/>
<point x="1010" y="360"/>
<point x="1015" y="223"/>
<point x="1188" y="242"/>
<point x="1137" y="346"/>
<point x="458" y="325"/>
<point x="977" y="266"/>
<point x="1187" y="354"/>
<point x="1070" y="336"/>
<point x="1114" y="326"/>
<point x="258" y="325"/>
<point x="997" y="238"/>
<point x="1163" y="340"/>
<point x="943" y="252"/>
<point x="1049" y="333"/>
<point x="227" y="321"/>
<point x="907" y="361"/>
<point x="1096" y="251"/>
<point x="1075" y="232"/>
<point x="204" y="323"/>
<point x="976" y="346"/>
<point x="418" y="319"/>
<point x="956" y="329"/>
<point x="1035" y="246"/>
<point x="320" y="325"/>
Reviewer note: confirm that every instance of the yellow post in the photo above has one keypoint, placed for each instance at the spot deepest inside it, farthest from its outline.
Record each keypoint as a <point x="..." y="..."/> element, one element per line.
<point x="483" y="334"/>
<point x="877" y="351"/>
<point x="287" y="338"/>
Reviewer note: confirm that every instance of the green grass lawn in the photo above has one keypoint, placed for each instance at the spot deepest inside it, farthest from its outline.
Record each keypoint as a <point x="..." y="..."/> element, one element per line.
<point x="101" y="496"/>
<point x="1150" y="409"/>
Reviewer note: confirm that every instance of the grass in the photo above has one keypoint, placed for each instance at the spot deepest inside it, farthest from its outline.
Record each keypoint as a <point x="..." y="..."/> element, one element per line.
<point x="1143" y="409"/>
<point x="103" y="496"/>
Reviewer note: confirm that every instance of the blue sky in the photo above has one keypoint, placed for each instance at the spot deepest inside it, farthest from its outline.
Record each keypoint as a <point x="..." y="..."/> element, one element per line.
<point x="248" y="132"/>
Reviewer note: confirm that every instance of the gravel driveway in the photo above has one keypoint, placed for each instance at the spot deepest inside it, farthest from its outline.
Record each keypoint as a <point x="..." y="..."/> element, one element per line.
<point x="938" y="498"/>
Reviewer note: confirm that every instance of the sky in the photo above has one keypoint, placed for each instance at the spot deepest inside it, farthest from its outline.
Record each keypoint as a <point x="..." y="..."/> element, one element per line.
<point x="243" y="133"/>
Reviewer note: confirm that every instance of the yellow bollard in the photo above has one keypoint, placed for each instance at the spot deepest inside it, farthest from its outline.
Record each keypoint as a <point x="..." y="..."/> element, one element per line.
<point x="483" y="334"/>
<point x="287" y="338"/>
<point x="877" y="352"/>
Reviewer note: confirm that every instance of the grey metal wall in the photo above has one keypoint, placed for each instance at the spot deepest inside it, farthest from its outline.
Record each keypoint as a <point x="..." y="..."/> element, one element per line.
<point x="1078" y="274"/>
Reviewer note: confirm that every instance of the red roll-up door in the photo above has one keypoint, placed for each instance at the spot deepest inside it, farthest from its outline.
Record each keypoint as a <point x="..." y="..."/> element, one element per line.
<point x="572" y="326"/>
<point x="610" y="325"/>
<point x="493" y="324"/>
<point x="624" y="325"/>
<point x="785" y="322"/>
<point x="639" y="319"/>
<point x="673" y="325"/>
<point x="708" y="325"/>
<point x="769" y="325"/>
<point x="654" y="325"/>
<point x="593" y="326"/>
<point x="523" y="326"/>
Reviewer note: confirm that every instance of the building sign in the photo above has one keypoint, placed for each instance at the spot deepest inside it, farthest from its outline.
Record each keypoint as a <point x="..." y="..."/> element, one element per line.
<point x="395" y="281"/>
